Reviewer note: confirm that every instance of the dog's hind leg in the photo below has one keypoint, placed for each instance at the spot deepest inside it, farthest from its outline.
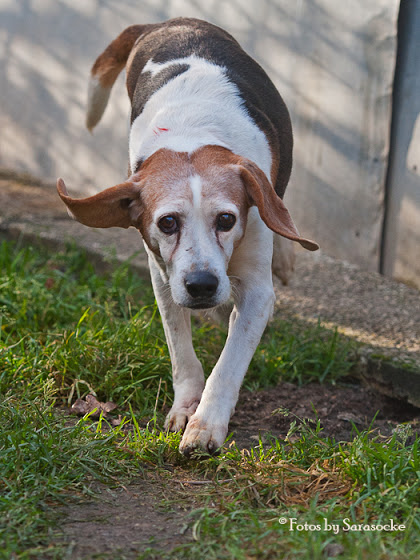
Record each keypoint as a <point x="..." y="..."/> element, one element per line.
<point x="283" y="258"/>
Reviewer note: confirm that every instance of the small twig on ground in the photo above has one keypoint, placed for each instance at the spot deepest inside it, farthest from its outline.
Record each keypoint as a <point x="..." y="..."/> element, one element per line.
<point x="202" y="482"/>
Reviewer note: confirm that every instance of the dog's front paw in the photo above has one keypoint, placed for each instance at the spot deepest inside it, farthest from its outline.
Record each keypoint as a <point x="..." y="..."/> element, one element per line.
<point x="203" y="436"/>
<point x="179" y="416"/>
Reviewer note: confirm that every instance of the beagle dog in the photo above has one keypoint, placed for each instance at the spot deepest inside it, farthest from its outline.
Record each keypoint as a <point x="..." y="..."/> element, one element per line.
<point x="210" y="155"/>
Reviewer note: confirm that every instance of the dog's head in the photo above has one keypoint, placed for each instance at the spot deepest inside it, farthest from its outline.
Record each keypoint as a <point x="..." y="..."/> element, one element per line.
<point x="192" y="213"/>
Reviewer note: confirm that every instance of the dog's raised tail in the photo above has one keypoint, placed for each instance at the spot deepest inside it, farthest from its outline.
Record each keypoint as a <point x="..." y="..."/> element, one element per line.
<point x="105" y="71"/>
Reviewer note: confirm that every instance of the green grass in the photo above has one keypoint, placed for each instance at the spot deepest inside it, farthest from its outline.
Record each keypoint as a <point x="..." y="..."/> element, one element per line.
<point x="45" y="462"/>
<point x="66" y="332"/>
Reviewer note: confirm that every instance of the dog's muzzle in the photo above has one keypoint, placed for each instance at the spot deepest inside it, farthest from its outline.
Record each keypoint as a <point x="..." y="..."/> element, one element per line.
<point x="201" y="287"/>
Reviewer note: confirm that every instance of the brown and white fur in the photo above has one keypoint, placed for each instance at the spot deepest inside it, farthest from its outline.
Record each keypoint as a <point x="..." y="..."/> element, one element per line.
<point x="210" y="157"/>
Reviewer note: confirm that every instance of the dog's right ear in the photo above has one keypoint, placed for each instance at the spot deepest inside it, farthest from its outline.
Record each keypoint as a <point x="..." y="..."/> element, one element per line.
<point x="118" y="206"/>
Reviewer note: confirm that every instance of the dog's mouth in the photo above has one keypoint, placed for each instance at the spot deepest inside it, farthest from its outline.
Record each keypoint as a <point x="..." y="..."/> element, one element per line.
<point x="204" y="304"/>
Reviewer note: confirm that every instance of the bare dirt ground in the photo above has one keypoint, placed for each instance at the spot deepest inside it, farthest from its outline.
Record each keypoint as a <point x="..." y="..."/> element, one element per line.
<point x="338" y="407"/>
<point x="122" y="522"/>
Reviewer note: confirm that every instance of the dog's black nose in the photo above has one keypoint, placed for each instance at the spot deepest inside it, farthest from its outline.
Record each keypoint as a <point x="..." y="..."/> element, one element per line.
<point x="201" y="284"/>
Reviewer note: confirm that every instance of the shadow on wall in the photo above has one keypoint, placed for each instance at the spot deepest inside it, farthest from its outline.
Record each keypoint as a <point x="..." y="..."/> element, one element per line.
<point x="333" y="66"/>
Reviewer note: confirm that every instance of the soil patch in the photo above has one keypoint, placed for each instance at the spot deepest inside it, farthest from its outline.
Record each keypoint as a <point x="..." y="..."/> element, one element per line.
<point x="120" y="523"/>
<point x="338" y="407"/>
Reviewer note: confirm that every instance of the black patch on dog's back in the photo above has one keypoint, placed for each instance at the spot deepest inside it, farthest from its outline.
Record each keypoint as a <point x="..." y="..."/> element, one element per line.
<point x="149" y="84"/>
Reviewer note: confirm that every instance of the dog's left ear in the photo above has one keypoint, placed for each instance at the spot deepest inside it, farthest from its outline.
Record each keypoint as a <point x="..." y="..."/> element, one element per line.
<point x="118" y="206"/>
<point x="271" y="207"/>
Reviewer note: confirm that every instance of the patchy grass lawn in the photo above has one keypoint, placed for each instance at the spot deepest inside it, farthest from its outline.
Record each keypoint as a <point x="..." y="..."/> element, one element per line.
<point x="66" y="332"/>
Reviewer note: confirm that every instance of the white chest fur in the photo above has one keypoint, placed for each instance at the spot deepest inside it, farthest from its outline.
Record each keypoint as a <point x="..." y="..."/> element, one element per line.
<point x="196" y="108"/>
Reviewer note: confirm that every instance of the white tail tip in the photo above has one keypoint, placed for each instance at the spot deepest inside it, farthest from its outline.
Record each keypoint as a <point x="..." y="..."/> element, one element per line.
<point x="98" y="96"/>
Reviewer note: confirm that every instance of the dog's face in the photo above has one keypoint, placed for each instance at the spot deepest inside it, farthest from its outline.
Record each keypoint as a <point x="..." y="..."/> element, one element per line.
<point x="192" y="213"/>
<point x="193" y="224"/>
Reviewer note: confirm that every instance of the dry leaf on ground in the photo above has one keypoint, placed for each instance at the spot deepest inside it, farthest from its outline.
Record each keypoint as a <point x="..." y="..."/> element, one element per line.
<point x="92" y="406"/>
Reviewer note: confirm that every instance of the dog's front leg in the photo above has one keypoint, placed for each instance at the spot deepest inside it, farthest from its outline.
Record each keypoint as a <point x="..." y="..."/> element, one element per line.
<point x="187" y="371"/>
<point x="207" y="428"/>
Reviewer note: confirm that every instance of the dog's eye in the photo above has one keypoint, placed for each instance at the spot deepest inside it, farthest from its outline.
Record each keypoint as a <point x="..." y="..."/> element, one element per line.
<point x="168" y="224"/>
<point x="225" y="222"/>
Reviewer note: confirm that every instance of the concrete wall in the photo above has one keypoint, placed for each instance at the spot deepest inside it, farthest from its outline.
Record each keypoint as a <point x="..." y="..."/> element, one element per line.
<point x="337" y="72"/>
<point x="332" y="61"/>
